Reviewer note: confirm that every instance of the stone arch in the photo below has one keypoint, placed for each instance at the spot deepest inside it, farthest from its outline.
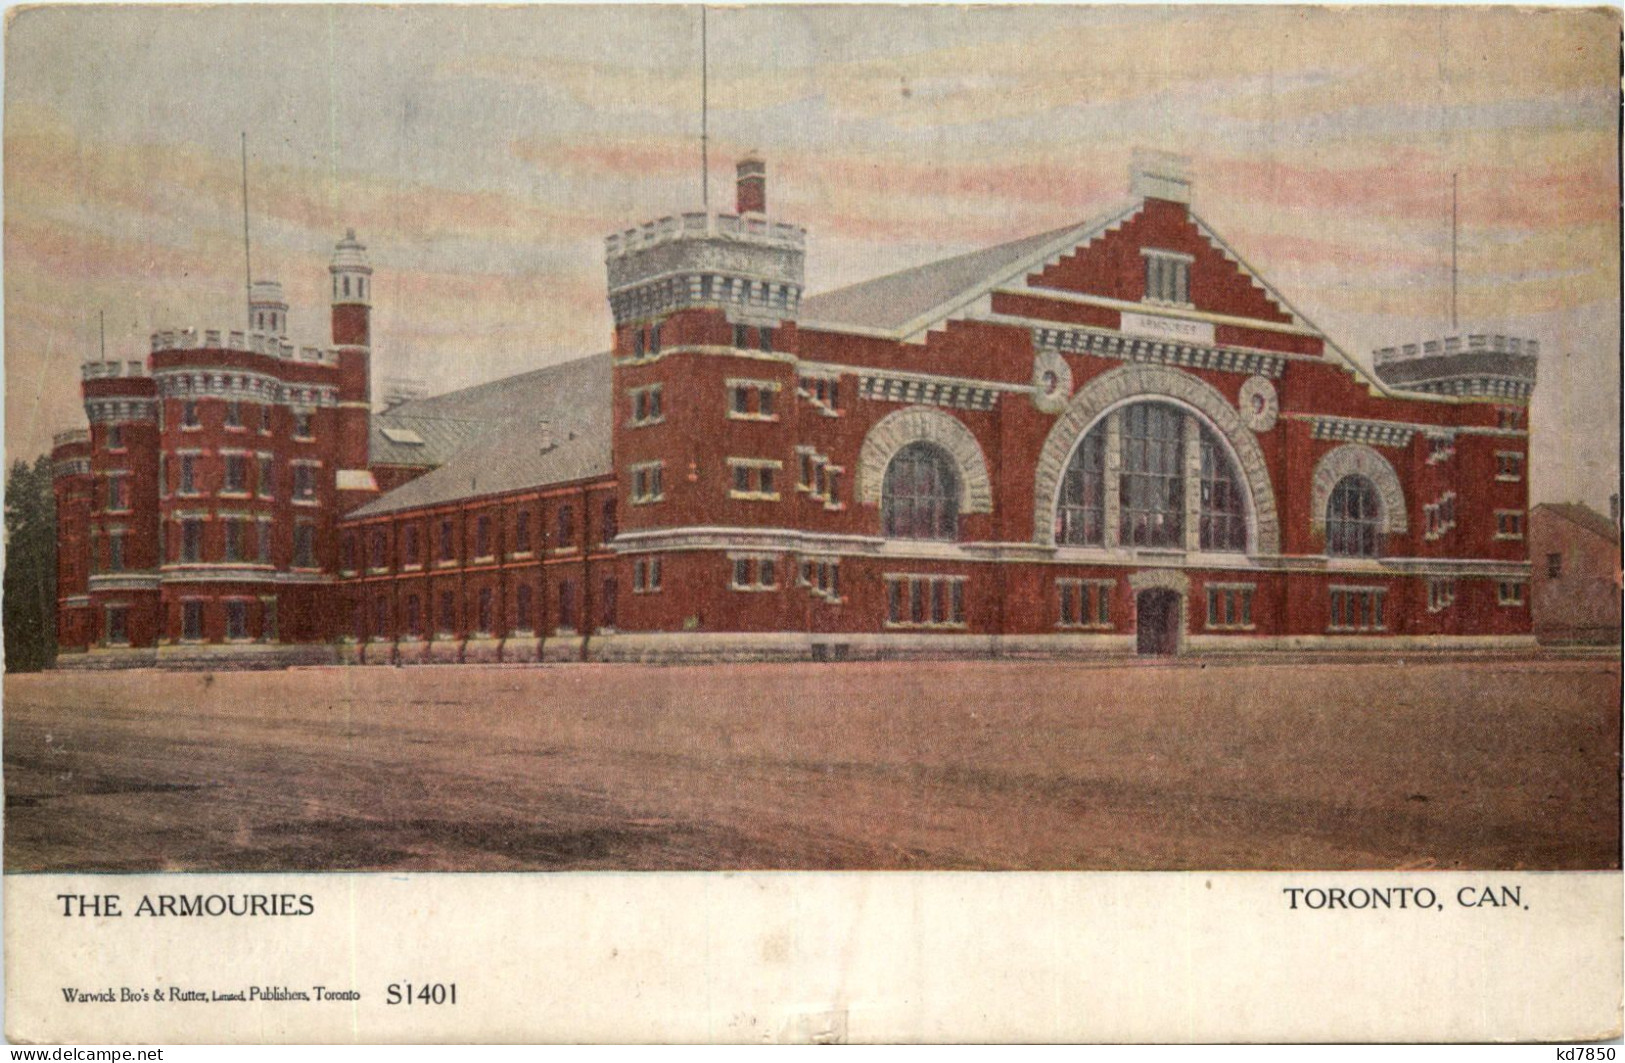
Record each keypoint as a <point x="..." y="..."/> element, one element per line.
<point x="1357" y="459"/>
<point x="1151" y="382"/>
<point x="924" y="424"/>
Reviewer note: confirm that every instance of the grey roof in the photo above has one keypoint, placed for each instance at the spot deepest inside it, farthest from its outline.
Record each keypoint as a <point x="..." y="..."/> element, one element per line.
<point x="1585" y="517"/>
<point x="442" y="437"/>
<point x="543" y="427"/>
<point x="911" y="299"/>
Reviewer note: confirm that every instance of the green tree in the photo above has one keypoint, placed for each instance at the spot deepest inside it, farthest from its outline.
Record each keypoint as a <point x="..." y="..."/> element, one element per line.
<point x="30" y="577"/>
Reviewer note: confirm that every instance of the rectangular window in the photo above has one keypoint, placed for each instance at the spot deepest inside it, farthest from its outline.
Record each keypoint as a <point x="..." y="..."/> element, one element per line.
<point x="192" y="621"/>
<point x="1509" y="524"/>
<point x="234" y="414"/>
<point x="191" y="539"/>
<point x="267" y="486"/>
<point x="1441" y="594"/>
<point x="1441" y="448"/>
<point x="647" y="406"/>
<point x="189" y="418"/>
<point x="609" y="524"/>
<point x="304" y="545"/>
<point x="115" y="437"/>
<point x="1358" y="609"/>
<point x="607" y="603"/>
<point x="741" y="337"/>
<point x="236" y="474"/>
<point x="925" y="601"/>
<point x="414" y="616"/>
<point x="647" y="483"/>
<point x="264" y="532"/>
<point x="753" y="479"/>
<point x="1508" y="418"/>
<point x="115" y="552"/>
<point x="824" y="393"/>
<point x="447" y="551"/>
<point x="304" y="483"/>
<point x="117" y="495"/>
<point x="1554" y="566"/>
<point x="482" y="537"/>
<point x="521" y="532"/>
<point x="237" y="619"/>
<point x="752" y="400"/>
<point x="566" y="527"/>
<point x="304" y="425"/>
<point x="446" y="621"/>
<point x="234" y="538"/>
<point x="188" y="474"/>
<point x="1085" y="602"/>
<point x="654" y="338"/>
<point x="118" y="625"/>
<point x="378" y="552"/>
<point x="1167" y="277"/>
<point x="347" y="554"/>
<point x="1508" y="466"/>
<point x="1510" y="592"/>
<point x="268" y="632"/>
<point x="486" y="611"/>
<point x="265" y="420"/>
<point x="380" y="617"/>
<point x="1153" y="477"/>
<point x="1229" y="606"/>
<point x="755" y="573"/>
<point x="567" y="604"/>
<point x="646" y="575"/>
<point x="522" y="608"/>
<point x="764" y="339"/>
<point x="411" y="533"/>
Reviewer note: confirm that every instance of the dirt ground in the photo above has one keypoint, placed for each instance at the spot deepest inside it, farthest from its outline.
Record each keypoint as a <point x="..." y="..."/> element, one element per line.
<point x="1167" y="765"/>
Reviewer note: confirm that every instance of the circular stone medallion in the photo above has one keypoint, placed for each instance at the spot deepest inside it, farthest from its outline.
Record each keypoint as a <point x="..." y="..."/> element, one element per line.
<point x="1258" y="405"/>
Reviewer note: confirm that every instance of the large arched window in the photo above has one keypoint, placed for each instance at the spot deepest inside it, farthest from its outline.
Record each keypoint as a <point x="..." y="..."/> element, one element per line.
<point x="1148" y="505"/>
<point x="919" y="498"/>
<point x="1353" y="519"/>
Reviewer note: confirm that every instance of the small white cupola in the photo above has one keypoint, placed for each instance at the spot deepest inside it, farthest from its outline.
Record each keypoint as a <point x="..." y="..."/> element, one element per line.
<point x="352" y="273"/>
<point x="1160" y="175"/>
<point x="267" y="309"/>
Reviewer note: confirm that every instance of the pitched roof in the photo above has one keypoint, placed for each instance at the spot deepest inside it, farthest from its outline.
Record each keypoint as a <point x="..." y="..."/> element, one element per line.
<point x="547" y="426"/>
<point x="910" y="300"/>
<point x="1585" y="517"/>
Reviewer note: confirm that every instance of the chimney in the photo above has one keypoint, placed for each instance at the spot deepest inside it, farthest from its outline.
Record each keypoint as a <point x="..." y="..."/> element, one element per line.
<point x="1160" y="175"/>
<point x="752" y="186"/>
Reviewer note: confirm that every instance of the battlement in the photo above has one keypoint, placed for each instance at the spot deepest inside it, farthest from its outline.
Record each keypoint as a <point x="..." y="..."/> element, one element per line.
<point x="105" y="370"/>
<point x="70" y="437"/>
<point x="1473" y="365"/>
<point x="264" y="343"/>
<point x="747" y="264"/>
<point x="753" y="229"/>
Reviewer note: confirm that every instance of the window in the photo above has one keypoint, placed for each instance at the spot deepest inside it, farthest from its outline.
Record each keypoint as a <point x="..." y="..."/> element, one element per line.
<point x="753" y="479"/>
<point x="1167" y="277"/>
<point x="1085" y="603"/>
<point x="1441" y="594"/>
<point x="264" y="535"/>
<point x="764" y="339"/>
<point x="189" y="418"/>
<point x="654" y="338"/>
<point x="521" y="532"/>
<point x="485" y="611"/>
<point x="188" y="474"/>
<point x="267" y="476"/>
<point x="304" y="483"/>
<point x="265" y="420"/>
<point x="606" y="603"/>
<point x="754" y="572"/>
<point x="1554" y="566"/>
<point x="234" y="538"/>
<point x="824" y="393"/>
<point x="1440" y="516"/>
<point x="1229" y="606"/>
<point x="741" y="337"/>
<point x="234" y="414"/>
<point x="825" y="580"/>
<point x="1509" y="524"/>
<point x="1152" y="492"/>
<point x="1509" y="592"/>
<point x="1080" y="519"/>
<point x="380" y="617"/>
<point x="608" y="524"/>
<point x="192" y="621"/>
<point x="304" y="545"/>
<point x="522" y="608"/>
<point x="919" y="497"/>
<point x="236" y="474"/>
<point x="446" y="545"/>
<point x="347" y="561"/>
<point x="163" y="475"/>
<point x="646" y="575"/>
<point x="446" y="621"/>
<point x="925" y="601"/>
<point x="191" y="539"/>
<point x="411" y="546"/>
<point x="646" y="405"/>
<point x="1509" y="466"/>
<point x="378" y="552"/>
<point x="752" y="400"/>
<point x="118" y="624"/>
<point x="1222" y="518"/>
<point x="567" y="605"/>
<point x="115" y="551"/>
<point x="115" y="437"/>
<point x="1353" y="519"/>
<point x="1508" y="417"/>
<point x="414" y="616"/>
<point x="117" y="495"/>
<point x="1357" y="608"/>
<point x="647" y="483"/>
<point x="1441" y="448"/>
<point x="482" y="537"/>
<point x="566" y="528"/>
<point x="237" y="619"/>
<point x="268" y="631"/>
<point x="304" y="424"/>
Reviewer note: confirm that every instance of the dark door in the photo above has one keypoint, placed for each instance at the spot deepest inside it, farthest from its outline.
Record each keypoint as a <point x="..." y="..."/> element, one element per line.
<point x="1157" y="622"/>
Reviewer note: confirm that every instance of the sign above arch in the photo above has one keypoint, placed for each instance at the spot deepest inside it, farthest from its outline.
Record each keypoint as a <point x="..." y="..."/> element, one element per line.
<point x="1357" y="459"/>
<point x="1152" y="382"/>
<point x="924" y="424"/>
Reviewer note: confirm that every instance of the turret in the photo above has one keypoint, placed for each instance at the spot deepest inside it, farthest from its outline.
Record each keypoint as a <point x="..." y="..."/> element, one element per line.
<point x="1475" y="366"/>
<point x="352" y="342"/>
<point x="267" y="309"/>
<point x="352" y="295"/>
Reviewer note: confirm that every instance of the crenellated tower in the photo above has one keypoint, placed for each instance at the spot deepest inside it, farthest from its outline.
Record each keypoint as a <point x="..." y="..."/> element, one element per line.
<point x="351" y="274"/>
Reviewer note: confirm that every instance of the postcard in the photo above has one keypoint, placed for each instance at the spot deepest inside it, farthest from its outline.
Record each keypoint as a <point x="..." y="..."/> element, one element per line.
<point x="812" y="524"/>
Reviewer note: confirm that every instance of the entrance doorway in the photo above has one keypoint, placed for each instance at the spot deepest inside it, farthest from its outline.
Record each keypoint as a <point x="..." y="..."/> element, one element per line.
<point x="1156" y="615"/>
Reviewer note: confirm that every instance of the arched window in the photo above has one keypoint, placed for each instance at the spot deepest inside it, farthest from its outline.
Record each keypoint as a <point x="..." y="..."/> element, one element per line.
<point x="1151" y="440"/>
<point x="919" y="498"/>
<point x="1353" y="519"/>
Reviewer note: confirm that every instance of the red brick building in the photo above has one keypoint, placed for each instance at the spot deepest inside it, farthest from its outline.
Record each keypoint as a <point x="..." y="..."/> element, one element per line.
<point x="1111" y="437"/>
<point x="1576" y="559"/>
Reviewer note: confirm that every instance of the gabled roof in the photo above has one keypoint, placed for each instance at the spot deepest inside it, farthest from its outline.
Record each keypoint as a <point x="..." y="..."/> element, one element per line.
<point x="909" y="301"/>
<point x="1584" y="516"/>
<point x="547" y="426"/>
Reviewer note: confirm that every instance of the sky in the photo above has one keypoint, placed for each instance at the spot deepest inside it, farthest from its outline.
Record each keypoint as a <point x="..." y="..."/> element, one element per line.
<point x="483" y="153"/>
